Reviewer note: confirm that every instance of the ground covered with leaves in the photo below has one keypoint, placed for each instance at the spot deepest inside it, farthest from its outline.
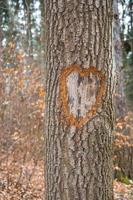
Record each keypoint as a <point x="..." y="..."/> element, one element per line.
<point x="21" y="133"/>
<point x="21" y="137"/>
<point x="123" y="191"/>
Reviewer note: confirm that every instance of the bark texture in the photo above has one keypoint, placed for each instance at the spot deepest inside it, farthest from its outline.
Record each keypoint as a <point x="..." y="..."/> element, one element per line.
<point x="78" y="161"/>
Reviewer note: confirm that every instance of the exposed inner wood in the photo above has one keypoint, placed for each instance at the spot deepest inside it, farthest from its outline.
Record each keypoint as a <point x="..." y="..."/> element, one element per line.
<point x="82" y="93"/>
<point x="91" y="104"/>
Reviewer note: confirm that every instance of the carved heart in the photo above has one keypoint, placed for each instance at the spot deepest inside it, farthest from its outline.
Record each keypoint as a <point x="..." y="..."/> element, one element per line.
<point x="70" y="118"/>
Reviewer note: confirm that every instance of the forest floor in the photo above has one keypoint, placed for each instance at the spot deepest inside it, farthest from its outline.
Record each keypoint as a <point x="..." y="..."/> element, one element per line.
<point x="25" y="181"/>
<point x="13" y="189"/>
<point x="21" y="142"/>
<point x="123" y="191"/>
<point x="34" y="190"/>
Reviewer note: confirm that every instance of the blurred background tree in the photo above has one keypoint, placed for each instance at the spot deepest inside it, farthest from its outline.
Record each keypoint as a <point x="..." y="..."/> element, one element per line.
<point x="23" y="32"/>
<point x="127" y="40"/>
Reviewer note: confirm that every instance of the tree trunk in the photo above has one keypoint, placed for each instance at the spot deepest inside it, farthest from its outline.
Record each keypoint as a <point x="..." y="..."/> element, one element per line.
<point x="120" y="101"/>
<point x="79" y="113"/>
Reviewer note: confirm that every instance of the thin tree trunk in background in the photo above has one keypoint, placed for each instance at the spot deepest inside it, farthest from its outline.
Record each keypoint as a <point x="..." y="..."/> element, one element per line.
<point x="78" y="133"/>
<point x="1" y="62"/>
<point x="1" y="48"/>
<point x="120" y="101"/>
<point x="27" y="6"/>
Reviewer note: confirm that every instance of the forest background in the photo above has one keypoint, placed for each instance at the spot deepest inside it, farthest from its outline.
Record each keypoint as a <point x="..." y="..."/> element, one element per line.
<point x="22" y="77"/>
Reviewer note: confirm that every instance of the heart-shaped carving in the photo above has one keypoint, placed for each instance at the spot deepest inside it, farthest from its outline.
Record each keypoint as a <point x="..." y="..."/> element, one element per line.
<point x="63" y="92"/>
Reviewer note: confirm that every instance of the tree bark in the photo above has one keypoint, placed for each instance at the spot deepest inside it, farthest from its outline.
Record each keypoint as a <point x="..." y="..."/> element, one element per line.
<point x="79" y="111"/>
